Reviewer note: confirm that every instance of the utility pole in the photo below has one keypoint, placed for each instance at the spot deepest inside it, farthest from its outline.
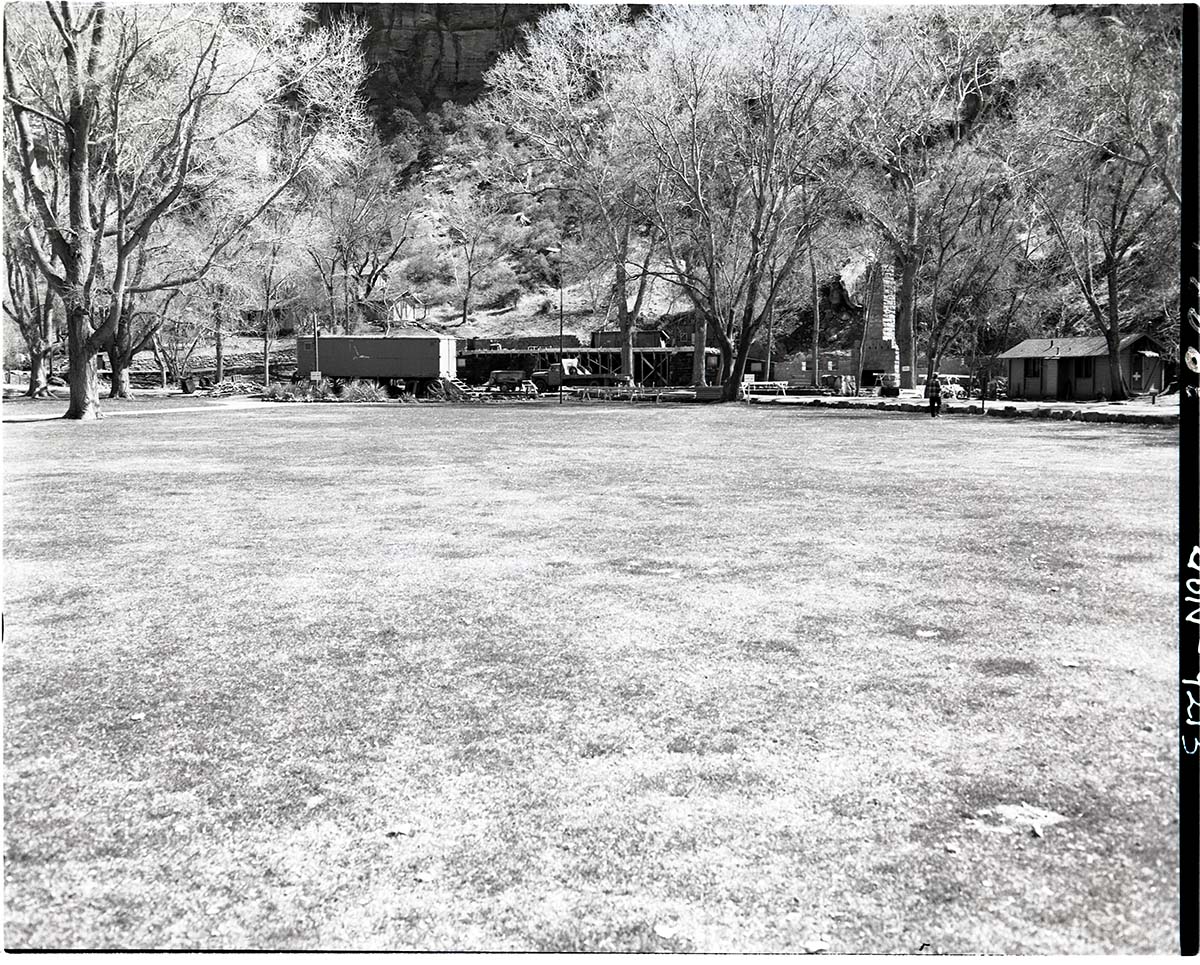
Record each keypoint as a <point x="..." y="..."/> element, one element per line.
<point x="816" y="304"/>
<point x="561" y="367"/>
<point x="557" y="252"/>
<point x="219" y="375"/>
<point x="316" y="345"/>
<point x="770" y="343"/>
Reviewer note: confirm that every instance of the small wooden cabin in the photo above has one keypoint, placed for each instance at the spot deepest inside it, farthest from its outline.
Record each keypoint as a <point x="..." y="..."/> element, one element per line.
<point x="1076" y="369"/>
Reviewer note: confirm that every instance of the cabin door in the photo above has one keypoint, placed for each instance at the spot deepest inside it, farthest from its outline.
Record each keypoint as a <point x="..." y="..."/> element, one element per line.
<point x="1137" y="371"/>
<point x="1051" y="379"/>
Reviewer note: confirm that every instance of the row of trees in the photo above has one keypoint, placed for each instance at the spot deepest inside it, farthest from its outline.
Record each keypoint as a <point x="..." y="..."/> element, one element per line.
<point x="285" y="210"/>
<point x="998" y="157"/>
<point x="150" y="148"/>
<point x="169" y="166"/>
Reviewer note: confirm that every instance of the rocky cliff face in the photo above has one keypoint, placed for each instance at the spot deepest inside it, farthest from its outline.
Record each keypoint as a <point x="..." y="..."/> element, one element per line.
<point x="423" y="54"/>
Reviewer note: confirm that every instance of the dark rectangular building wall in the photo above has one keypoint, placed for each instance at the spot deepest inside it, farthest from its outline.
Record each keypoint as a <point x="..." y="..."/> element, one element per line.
<point x="356" y="357"/>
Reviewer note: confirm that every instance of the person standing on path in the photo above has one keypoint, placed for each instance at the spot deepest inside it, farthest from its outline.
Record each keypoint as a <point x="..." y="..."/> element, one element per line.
<point x="935" y="395"/>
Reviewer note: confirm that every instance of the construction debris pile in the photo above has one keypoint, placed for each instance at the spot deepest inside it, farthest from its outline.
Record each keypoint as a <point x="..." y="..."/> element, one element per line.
<point x="234" y="387"/>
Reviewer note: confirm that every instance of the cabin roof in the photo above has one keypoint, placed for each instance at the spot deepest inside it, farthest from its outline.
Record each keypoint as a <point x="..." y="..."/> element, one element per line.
<point x="1086" y="346"/>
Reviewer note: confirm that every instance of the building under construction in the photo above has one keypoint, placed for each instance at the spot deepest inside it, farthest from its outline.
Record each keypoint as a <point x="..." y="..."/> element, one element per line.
<point x="655" y="361"/>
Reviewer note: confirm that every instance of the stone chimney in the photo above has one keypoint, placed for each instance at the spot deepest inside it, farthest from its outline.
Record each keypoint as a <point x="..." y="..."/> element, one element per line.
<point x="880" y="354"/>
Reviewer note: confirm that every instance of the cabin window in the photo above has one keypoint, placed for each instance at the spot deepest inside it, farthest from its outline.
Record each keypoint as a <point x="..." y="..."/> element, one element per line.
<point x="1033" y="368"/>
<point x="1085" y="368"/>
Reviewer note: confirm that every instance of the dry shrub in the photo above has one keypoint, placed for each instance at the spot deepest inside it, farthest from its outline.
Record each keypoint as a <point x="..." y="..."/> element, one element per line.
<point x="363" y="391"/>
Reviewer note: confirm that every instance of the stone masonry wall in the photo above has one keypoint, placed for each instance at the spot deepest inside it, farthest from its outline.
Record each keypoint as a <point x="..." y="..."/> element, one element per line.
<point x="880" y="353"/>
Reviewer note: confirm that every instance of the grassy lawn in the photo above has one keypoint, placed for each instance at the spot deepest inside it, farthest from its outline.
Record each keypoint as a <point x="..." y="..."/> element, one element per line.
<point x="591" y="678"/>
<point x="19" y="409"/>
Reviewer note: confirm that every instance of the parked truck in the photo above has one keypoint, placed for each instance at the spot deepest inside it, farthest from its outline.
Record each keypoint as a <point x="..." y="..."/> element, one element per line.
<point x="510" y="382"/>
<point x="409" y="363"/>
<point x="570" y="373"/>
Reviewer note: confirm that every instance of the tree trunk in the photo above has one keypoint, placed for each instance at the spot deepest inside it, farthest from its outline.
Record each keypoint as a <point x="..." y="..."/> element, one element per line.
<point x="626" y="346"/>
<point x="120" y="388"/>
<point x="1119" y="390"/>
<point x="699" y="344"/>
<point x="724" y="373"/>
<point x="906" y="305"/>
<point x="931" y="366"/>
<point x="731" y="386"/>
<point x="267" y="341"/>
<point x="467" y="299"/>
<point x="219" y="375"/>
<point x="1112" y="335"/>
<point x="39" y="375"/>
<point x="624" y="320"/>
<point x="816" y="303"/>
<point x="119" y="364"/>
<point x="770" y="344"/>
<point x="162" y="364"/>
<point x="81" y="367"/>
<point x="41" y="350"/>
<point x="642" y="288"/>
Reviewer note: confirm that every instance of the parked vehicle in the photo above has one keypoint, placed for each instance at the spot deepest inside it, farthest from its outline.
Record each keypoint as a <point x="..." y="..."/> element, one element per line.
<point x="570" y="373"/>
<point x="952" y="387"/>
<point x="510" y="382"/>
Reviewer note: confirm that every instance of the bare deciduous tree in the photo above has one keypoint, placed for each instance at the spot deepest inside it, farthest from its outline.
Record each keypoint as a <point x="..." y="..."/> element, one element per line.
<point x="470" y="222"/>
<point x="270" y="269"/>
<point x="563" y="94"/>
<point x="1103" y="194"/>
<point x="357" y="232"/>
<point x="975" y="233"/>
<point x="30" y="303"/>
<point x="132" y="113"/>
<point x="926" y="82"/>
<point x="738" y="108"/>
<point x="1128" y="71"/>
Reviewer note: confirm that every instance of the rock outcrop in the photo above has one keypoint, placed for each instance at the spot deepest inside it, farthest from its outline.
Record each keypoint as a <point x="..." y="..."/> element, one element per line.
<point x="423" y="54"/>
